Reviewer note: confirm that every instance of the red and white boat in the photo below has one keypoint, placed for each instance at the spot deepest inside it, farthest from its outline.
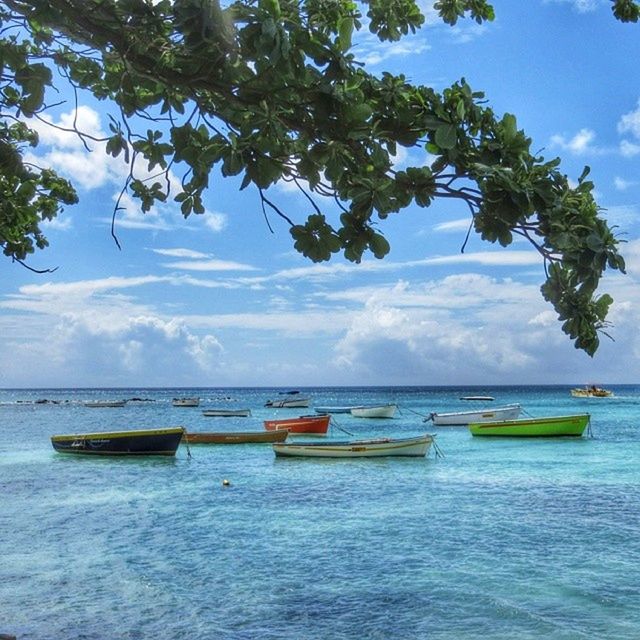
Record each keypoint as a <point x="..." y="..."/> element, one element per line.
<point x="304" y="425"/>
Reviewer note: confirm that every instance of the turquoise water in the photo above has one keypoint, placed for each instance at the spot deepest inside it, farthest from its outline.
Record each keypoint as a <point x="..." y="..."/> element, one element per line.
<point x="500" y="538"/>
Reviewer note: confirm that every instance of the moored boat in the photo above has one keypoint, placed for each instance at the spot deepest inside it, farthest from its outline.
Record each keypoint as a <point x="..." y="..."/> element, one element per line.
<point x="591" y="391"/>
<point x="101" y="404"/>
<point x="226" y="413"/>
<point x="375" y="448"/>
<point x="304" y="425"/>
<point x="185" y="402"/>
<point x="137" y="442"/>
<point x="240" y="437"/>
<point x="573" y="425"/>
<point x="333" y="409"/>
<point x="288" y="403"/>
<point x="463" y="418"/>
<point x="374" y="411"/>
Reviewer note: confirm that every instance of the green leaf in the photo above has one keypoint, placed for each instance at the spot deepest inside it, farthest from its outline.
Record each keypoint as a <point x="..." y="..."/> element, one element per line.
<point x="446" y="136"/>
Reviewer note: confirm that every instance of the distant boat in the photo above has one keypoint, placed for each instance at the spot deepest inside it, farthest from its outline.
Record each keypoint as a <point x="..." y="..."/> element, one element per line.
<point x="185" y="402"/>
<point x="374" y="411"/>
<point x="591" y="391"/>
<point x="463" y="418"/>
<point x="416" y="447"/>
<point x="533" y="427"/>
<point x="333" y="409"/>
<point x="140" y="442"/>
<point x="226" y="413"/>
<point x="240" y="437"/>
<point x="304" y="425"/>
<point x="478" y="398"/>
<point x="288" y="403"/>
<point x="99" y="404"/>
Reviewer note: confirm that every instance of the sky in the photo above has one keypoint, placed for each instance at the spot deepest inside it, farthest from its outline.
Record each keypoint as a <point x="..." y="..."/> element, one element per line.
<point x="223" y="299"/>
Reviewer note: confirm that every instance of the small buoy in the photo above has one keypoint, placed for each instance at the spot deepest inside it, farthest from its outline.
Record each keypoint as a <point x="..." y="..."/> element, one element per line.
<point x="225" y="483"/>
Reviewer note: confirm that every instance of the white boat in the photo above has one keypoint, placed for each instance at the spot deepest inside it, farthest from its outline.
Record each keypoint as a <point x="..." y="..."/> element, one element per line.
<point x="463" y="418"/>
<point x="226" y="413"/>
<point x="99" y="404"/>
<point x="333" y="409"/>
<point x="374" y="411"/>
<point x="380" y="447"/>
<point x="185" y="402"/>
<point x="591" y="392"/>
<point x="288" y="403"/>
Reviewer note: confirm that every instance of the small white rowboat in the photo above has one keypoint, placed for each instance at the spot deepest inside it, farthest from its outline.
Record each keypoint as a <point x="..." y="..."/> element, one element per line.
<point x="374" y="411"/>
<point x="463" y="418"/>
<point x="415" y="447"/>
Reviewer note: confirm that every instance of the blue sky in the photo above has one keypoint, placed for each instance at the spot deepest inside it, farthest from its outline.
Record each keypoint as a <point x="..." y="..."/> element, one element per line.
<point x="219" y="300"/>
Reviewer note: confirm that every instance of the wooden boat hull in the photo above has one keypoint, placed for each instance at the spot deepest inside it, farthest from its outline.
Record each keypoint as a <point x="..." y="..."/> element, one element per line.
<point x="226" y="413"/>
<point x="534" y="427"/>
<point x="383" y="447"/>
<point x="241" y="437"/>
<point x="305" y="425"/>
<point x="140" y="442"/>
<point x="463" y="418"/>
<point x="377" y="411"/>
<point x="290" y="403"/>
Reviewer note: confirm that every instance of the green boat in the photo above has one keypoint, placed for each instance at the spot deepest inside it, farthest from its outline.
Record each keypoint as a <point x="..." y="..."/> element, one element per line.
<point x="533" y="427"/>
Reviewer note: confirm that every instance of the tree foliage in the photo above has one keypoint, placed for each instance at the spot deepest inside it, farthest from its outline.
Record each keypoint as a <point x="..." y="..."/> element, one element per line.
<point x="270" y="90"/>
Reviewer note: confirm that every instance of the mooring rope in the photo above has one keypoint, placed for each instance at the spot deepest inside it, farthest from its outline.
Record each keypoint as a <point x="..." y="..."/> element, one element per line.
<point x="436" y="448"/>
<point x="426" y="417"/>
<point x="186" y="443"/>
<point x="337" y="426"/>
<point x="589" y="429"/>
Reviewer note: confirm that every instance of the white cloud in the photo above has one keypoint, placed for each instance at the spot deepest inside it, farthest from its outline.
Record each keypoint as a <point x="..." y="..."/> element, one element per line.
<point x="90" y="167"/>
<point x="157" y="349"/>
<point x="180" y="253"/>
<point x="453" y="226"/>
<point x="215" y="221"/>
<point x="370" y="50"/>
<point x="581" y="6"/>
<point x="209" y="265"/>
<point x="131" y="216"/>
<point x="629" y="149"/>
<point x="89" y="331"/>
<point x="59" y="133"/>
<point x="621" y="184"/>
<point x="630" y="123"/>
<point x="376" y="52"/>
<point x="489" y="258"/>
<point x="579" y="144"/>
<point x="62" y="222"/>
<point x="468" y="31"/>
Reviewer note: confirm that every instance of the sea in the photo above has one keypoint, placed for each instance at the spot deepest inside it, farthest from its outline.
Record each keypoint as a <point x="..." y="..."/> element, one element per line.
<point x="494" y="538"/>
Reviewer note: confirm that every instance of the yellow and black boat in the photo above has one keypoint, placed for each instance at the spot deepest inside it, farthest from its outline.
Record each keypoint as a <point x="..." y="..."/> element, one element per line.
<point x="138" y="442"/>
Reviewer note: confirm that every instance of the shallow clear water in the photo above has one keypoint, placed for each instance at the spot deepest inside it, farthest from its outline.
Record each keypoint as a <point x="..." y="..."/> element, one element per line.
<point x="500" y="538"/>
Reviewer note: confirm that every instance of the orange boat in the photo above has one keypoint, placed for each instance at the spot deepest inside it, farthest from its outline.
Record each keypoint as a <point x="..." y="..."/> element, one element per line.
<point x="304" y="425"/>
